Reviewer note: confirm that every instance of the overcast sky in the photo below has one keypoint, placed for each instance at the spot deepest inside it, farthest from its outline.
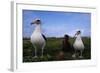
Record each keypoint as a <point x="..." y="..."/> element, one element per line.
<point x="56" y="24"/>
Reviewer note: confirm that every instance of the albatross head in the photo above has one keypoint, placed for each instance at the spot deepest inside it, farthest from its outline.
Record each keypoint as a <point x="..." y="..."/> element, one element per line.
<point x="36" y="21"/>
<point x="77" y="33"/>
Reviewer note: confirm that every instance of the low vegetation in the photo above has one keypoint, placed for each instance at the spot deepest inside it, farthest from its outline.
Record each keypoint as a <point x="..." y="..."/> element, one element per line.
<point x="53" y="50"/>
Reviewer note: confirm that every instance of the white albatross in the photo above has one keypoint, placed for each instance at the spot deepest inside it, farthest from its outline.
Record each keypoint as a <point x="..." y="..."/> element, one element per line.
<point x="78" y="45"/>
<point x="37" y="38"/>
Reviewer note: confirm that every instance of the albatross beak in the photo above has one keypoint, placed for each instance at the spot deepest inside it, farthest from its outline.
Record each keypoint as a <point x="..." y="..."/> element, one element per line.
<point x="32" y="23"/>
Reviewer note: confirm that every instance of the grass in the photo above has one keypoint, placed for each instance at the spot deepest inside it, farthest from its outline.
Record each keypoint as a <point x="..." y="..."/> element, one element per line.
<point x="53" y="50"/>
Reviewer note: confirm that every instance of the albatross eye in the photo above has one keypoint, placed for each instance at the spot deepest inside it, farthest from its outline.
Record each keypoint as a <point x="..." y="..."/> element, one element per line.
<point x="38" y="22"/>
<point x="79" y="32"/>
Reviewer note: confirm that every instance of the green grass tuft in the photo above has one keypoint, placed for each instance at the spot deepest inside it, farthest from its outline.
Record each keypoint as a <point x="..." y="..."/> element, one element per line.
<point x="52" y="49"/>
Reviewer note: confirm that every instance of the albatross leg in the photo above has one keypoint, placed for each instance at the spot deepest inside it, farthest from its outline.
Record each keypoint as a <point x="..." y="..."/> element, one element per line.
<point x="35" y="52"/>
<point x="42" y="51"/>
<point x="81" y="52"/>
<point x="74" y="55"/>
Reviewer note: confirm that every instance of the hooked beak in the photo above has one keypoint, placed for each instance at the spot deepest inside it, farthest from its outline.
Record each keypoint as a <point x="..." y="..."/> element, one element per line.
<point x="32" y="23"/>
<point x="36" y="22"/>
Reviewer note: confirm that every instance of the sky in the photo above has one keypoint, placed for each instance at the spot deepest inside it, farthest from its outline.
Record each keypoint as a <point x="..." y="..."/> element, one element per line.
<point x="57" y="24"/>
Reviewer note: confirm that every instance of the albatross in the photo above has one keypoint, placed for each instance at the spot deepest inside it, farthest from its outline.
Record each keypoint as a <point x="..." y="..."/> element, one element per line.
<point x="78" y="44"/>
<point x="37" y="38"/>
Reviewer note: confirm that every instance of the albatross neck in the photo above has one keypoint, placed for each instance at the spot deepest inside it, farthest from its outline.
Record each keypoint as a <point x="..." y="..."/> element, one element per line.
<point x="38" y="28"/>
<point x="78" y="36"/>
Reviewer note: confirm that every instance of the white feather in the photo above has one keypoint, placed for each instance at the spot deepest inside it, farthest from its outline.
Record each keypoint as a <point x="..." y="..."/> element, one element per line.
<point x="78" y="44"/>
<point x="36" y="37"/>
